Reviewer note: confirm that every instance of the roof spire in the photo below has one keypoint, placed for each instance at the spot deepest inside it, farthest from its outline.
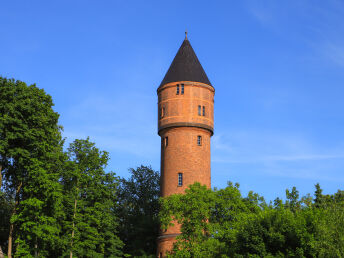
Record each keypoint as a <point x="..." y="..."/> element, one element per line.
<point x="185" y="66"/>
<point x="186" y="34"/>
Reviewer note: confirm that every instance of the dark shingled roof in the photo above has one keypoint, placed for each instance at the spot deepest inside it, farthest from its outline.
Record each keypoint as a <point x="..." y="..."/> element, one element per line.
<point x="185" y="67"/>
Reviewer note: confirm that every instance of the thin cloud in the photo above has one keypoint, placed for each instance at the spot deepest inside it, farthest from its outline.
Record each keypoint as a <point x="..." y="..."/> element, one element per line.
<point x="307" y="157"/>
<point x="115" y="123"/>
<point x="138" y="146"/>
<point x="277" y="154"/>
<point x="318" y="26"/>
<point x="313" y="174"/>
<point x="334" y="52"/>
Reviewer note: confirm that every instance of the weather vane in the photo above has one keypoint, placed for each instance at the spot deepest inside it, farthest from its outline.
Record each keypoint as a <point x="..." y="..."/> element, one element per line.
<point x="186" y="34"/>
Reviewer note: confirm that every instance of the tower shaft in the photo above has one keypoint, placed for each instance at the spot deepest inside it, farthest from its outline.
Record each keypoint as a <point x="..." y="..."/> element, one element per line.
<point x="185" y="127"/>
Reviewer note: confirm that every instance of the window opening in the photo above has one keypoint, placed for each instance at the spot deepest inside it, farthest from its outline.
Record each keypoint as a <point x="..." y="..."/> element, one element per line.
<point x="182" y="89"/>
<point x="180" y="179"/>
<point x="203" y="110"/>
<point x="162" y="112"/>
<point x="199" y="140"/>
<point x="177" y="89"/>
<point x="199" y="110"/>
<point x="166" y="141"/>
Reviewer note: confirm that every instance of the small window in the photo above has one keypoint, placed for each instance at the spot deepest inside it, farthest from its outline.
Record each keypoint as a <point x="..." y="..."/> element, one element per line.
<point x="178" y="89"/>
<point x="180" y="179"/>
<point x="162" y="112"/>
<point x="182" y="89"/>
<point x="199" y="110"/>
<point x="203" y="110"/>
<point x="166" y="141"/>
<point x="199" y="140"/>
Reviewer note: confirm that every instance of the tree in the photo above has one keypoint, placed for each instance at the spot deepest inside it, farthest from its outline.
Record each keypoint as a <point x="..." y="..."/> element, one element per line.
<point x="319" y="198"/>
<point x="91" y="223"/>
<point x="138" y="199"/>
<point x="30" y="147"/>
<point x="193" y="211"/>
<point x="209" y="219"/>
<point x="5" y="215"/>
<point x="330" y="224"/>
<point x="222" y="223"/>
<point x="293" y="202"/>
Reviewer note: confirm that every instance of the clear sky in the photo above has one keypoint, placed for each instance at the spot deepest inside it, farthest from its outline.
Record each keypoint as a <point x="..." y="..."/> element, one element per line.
<point x="277" y="68"/>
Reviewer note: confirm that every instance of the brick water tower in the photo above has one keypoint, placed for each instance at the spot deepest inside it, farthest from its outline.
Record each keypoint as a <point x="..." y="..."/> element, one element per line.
<point x="185" y="125"/>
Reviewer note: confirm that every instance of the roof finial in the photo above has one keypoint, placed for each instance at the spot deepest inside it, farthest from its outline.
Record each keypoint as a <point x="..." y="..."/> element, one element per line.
<point x="186" y="34"/>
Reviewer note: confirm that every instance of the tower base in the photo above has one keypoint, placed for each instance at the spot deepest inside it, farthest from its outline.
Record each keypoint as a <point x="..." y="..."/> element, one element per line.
<point x="165" y="244"/>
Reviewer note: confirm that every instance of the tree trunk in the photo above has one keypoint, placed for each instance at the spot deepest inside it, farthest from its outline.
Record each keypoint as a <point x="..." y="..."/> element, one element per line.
<point x="0" y="182"/>
<point x="36" y="247"/>
<point x="10" y="237"/>
<point x="1" y="253"/>
<point x="71" y="243"/>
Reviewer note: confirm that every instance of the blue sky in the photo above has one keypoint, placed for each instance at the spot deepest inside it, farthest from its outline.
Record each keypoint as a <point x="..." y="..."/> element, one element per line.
<point x="277" y="67"/>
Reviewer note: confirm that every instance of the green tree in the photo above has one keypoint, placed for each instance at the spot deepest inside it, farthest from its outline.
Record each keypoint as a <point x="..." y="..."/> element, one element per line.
<point x="30" y="147"/>
<point x="319" y="198"/>
<point x="209" y="219"/>
<point x="192" y="211"/>
<point x="277" y="233"/>
<point x="138" y="209"/>
<point x="222" y="223"/>
<point x="5" y="215"/>
<point x="91" y="223"/>
<point x="329" y="230"/>
<point x="293" y="202"/>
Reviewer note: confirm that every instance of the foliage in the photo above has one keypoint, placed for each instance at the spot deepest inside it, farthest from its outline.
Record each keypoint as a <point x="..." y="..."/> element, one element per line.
<point x="6" y="207"/>
<point x="30" y="147"/>
<point x="138" y="208"/>
<point x="222" y="223"/>
<point x="90" y="225"/>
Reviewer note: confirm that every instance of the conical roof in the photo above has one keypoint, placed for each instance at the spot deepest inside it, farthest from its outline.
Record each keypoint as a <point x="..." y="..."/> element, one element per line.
<point x="185" y="67"/>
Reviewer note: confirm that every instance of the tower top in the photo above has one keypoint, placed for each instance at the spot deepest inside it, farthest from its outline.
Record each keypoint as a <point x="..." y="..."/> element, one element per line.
<point x="185" y="66"/>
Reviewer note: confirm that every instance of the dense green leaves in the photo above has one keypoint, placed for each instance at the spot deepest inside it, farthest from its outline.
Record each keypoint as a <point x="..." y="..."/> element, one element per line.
<point x="89" y="200"/>
<point x="6" y="207"/>
<point x="47" y="194"/>
<point x="222" y="223"/>
<point x="30" y="147"/>
<point x="138" y="208"/>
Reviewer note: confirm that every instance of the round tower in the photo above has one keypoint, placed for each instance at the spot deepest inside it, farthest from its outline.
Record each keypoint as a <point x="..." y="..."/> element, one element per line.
<point x="185" y="125"/>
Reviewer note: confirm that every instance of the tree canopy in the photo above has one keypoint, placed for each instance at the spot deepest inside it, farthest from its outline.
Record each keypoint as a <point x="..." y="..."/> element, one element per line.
<point x="30" y="147"/>
<point x="90" y="220"/>
<point x="223" y="223"/>
<point x="138" y="209"/>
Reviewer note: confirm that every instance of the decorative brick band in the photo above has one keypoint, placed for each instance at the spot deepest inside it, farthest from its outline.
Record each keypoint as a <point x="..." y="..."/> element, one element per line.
<point x="186" y="83"/>
<point x="186" y="124"/>
<point x="168" y="236"/>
